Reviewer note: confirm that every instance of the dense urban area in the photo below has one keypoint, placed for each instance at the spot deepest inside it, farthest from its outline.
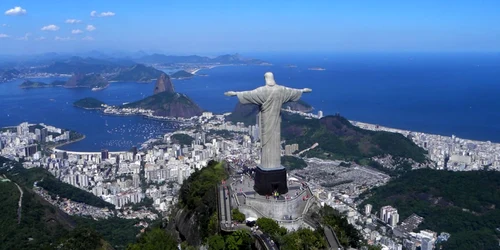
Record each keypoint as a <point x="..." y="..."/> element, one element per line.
<point x="154" y="173"/>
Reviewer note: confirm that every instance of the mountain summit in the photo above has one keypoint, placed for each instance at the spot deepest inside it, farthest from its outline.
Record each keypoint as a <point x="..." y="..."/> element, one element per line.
<point x="163" y="84"/>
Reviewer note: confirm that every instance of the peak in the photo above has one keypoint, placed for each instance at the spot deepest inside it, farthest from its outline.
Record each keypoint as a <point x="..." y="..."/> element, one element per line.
<point x="163" y="84"/>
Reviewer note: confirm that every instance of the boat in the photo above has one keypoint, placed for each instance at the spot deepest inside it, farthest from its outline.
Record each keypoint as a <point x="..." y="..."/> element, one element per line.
<point x="317" y="68"/>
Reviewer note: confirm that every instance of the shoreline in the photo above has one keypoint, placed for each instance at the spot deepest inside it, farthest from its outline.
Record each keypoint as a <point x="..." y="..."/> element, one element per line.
<point x="67" y="143"/>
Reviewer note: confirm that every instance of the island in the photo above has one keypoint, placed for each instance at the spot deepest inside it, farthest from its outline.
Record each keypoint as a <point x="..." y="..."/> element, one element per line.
<point x="181" y="74"/>
<point x="31" y="84"/>
<point x="89" y="103"/>
<point x="94" y="81"/>
<point x="137" y="73"/>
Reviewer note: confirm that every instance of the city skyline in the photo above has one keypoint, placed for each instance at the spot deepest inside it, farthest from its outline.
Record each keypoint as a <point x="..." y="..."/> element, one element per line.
<point x="227" y="27"/>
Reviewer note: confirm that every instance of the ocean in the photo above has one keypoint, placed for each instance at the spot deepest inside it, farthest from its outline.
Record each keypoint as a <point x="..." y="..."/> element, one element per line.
<point x="434" y="93"/>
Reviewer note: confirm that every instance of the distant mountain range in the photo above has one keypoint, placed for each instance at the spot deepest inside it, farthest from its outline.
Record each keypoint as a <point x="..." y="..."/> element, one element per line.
<point x="223" y="59"/>
<point x="113" y="66"/>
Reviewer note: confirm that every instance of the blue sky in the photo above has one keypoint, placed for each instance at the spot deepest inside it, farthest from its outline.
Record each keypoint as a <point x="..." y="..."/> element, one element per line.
<point x="210" y="27"/>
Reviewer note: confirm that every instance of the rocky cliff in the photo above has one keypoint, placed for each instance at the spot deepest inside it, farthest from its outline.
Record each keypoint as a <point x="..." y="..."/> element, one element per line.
<point x="163" y="84"/>
<point x="185" y="225"/>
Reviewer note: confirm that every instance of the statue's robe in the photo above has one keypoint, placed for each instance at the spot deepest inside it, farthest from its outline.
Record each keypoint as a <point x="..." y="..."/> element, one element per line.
<point x="270" y="99"/>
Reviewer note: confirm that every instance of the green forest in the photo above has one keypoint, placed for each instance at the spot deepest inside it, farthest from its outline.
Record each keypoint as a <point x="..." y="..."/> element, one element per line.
<point x="463" y="204"/>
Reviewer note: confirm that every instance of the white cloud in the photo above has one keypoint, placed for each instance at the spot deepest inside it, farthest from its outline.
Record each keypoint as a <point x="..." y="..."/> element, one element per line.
<point x="102" y="14"/>
<point x="16" y="11"/>
<point x="4" y="35"/>
<point x="88" y="38"/>
<point x="50" y="27"/>
<point x="5" y="25"/>
<point x="73" y="21"/>
<point x="90" y="27"/>
<point x="107" y="13"/>
<point x="57" y="38"/>
<point x="76" y="31"/>
<point x="40" y="38"/>
<point x="25" y="37"/>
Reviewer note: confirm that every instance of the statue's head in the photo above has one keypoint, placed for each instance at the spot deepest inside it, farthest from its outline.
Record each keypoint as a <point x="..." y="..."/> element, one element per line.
<point x="269" y="79"/>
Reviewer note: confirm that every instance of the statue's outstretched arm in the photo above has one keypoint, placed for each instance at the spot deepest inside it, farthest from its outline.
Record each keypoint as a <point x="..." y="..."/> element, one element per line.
<point x="231" y="93"/>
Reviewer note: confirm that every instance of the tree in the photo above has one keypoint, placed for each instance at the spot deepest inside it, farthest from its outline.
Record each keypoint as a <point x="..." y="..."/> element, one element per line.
<point x="304" y="239"/>
<point x="237" y="215"/>
<point x="154" y="239"/>
<point x="216" y="242"/>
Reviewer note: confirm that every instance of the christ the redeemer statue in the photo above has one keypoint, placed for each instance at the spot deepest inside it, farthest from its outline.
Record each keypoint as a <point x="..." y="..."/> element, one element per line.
<point x="270" y="99"/>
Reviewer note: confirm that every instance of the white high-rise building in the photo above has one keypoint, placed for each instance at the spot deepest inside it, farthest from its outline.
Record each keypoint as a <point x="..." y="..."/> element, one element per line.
<point x="320" y="114"/>
<point x="394" y="219"/>
<point x="368" y="209"/>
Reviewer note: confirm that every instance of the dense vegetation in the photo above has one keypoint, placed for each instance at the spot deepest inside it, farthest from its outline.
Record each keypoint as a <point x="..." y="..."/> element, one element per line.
<point x="168" y="104"/>
<point x="35" y="214"/>
<point x="182" y="139"/>
<point x="346" y="233"/>
<point x="117" y="231"/>
<point x="299" y="239"/>
<point x="181" y="74"/>
<point x="137" y="73"/>
<point x="339" y="139"/>
<point x="88" y="103"/>
<point x="292" y="162"/>
<point x="154" y="239"/>
<point x="198" y="193"/>
<point x="460" y="203"/>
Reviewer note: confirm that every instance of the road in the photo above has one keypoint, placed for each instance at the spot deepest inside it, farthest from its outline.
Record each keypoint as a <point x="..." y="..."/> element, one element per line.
<point x="20" y="203"/>
<point x="331" y="238"/>
<point x="224" y="206"/>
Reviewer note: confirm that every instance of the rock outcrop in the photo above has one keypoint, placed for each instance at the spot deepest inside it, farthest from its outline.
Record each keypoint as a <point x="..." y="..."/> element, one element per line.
<point x="163" y="84"/>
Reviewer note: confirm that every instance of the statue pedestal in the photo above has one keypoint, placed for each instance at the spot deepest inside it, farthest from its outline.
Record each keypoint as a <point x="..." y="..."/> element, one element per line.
<point x="269" y="180"/>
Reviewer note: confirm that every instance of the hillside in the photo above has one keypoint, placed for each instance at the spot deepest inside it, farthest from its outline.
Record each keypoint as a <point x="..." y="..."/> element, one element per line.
<point x="88" y="81"/>
<point x="339" y="139"/>
<point x="137" y="73"/>
<point x="7" y="75"/>
<point x="77" y="64"/>
<point x="42" y="226"/>
<point x="168" y="104"/>
<point x="26" y="177"/>
<point x="89" y="103"/>
<point x="464" y="204"/>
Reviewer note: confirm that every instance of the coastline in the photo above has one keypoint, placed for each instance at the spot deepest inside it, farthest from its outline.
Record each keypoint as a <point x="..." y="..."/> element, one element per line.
<point x="68" y="142"/>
